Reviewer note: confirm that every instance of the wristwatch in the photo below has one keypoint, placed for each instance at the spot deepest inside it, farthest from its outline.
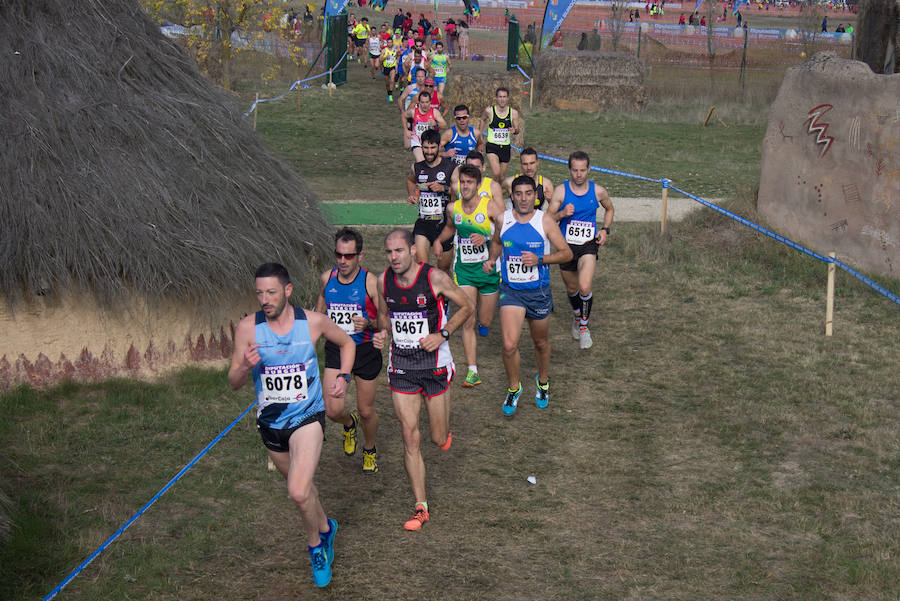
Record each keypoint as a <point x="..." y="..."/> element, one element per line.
<point x="345" y="376"/>
<point x="606" y="229"/>
<point x="446" y="334"/>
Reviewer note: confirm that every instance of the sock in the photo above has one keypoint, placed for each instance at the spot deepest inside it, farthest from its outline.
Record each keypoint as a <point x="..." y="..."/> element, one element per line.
<point x="482" y="330"/>
<point x="544" y="385"/>
<point x="516" y="389"/>
<point x="423" y="504"/>
<point x="371" y="451"/>
<point x="586" y="303"/>
<point x="326" y="534"/>
<point x="576" y="304"/>
<point x="473" y="368"/>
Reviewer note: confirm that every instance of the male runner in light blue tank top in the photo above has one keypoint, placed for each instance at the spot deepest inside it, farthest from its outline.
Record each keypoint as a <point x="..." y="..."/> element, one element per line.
<point x="278" y="346"/>
<point x="521" y="239"/>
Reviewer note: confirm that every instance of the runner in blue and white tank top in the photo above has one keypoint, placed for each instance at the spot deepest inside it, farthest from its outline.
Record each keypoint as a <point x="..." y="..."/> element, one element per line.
<point x="455" y="144"/>
<point x="575" y="204"/>
<point x="522" y="241"/>
<point x="277" y="345"/>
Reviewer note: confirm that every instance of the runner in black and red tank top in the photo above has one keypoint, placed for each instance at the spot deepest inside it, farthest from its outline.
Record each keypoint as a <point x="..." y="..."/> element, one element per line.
<point x="348" y="298"/>
<point x="411" y="309"/>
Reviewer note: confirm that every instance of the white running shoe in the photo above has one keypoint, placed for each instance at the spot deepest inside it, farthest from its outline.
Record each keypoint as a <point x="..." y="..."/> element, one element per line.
<point x="576" y="335"/>
<point x="584" y="338"/>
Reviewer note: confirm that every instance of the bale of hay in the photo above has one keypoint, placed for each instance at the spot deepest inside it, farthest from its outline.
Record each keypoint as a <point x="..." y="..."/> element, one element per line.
<point x="602" y="79"/>
<point x="478" y="90"/>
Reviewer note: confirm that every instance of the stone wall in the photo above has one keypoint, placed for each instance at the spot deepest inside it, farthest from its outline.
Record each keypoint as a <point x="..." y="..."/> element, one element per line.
<point x="831" y="162"/>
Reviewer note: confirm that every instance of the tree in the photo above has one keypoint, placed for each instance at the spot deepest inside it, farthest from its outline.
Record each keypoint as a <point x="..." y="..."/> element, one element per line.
<point x="214" y="27"/>
<point x="616" y="22"/>
<point x="876" y="42"/>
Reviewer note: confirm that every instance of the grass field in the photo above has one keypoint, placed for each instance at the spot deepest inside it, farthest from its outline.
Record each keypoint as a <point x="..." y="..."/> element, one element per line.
<point x="713" y="444"/>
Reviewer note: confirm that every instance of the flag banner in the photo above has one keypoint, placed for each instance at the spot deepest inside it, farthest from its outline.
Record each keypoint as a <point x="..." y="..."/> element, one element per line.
<point x="334" y="7"/>
<point x="737" y="6"/>
<point x="554" y="15"/>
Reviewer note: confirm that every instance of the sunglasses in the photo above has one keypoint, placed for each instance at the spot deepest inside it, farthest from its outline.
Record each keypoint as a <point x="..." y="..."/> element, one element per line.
<point x="346" y="256"/>
<point x="461" y="118"/>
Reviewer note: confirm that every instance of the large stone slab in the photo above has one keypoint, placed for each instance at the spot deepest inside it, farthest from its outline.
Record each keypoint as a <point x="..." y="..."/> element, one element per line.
<point x="831" y="162"/>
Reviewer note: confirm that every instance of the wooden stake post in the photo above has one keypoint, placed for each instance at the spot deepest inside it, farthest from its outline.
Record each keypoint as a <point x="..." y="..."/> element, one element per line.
<point x="298" y="97"/>
<point x="829" y="298"/>
<point x="531" y="93"/>
<point x="255" y="110"/>
<point x="665" y="206"/>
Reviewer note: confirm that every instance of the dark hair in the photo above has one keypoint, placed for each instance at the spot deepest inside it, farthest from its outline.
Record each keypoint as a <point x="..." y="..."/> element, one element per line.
<point x="461" y="107"/>
<point x="522" y="180"/>
<point x="423" y="93"/>
<point x="502" y="89"/>
<point x="405" y="234"/>
<point x="268" y="270"/>
<point x="474" y="154"/>
<point x="470" y="171"/>
<point x="579" y="155"/>
<point x="431" y="136"/>
<point x="347" y="234"/>
<point x="528" y="150"/>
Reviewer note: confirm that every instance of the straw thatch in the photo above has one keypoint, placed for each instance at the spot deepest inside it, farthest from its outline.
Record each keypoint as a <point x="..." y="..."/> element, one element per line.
<point x="123" y="170"/>
<point x="593" y="80"/>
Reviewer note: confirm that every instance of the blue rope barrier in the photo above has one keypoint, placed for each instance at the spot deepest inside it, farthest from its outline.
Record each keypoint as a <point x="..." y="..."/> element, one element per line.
<point x="293" y="87"/>
<point x="667" y="183"/>
<point x="141" y="511"/>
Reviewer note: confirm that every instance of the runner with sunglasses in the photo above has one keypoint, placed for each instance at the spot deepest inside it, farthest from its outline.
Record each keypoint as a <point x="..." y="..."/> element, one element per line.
<point x="461" y="138"/>
<point x="347" y="297"/>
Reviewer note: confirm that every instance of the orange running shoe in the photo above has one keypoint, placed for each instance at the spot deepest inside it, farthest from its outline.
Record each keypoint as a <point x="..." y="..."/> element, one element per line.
<point x="420" y="516"/>
<point x="446" y="445"/>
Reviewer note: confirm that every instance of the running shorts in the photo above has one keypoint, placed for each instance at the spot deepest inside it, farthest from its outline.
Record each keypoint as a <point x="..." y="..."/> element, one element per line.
<point x="429" y="382"/>
<point x="368" y="361"/>
<point x="501" y="151"/>
<point x="278" y="439"/>
<point x="579" y="250"/>
<point x="538" y="303"/>
<point x="431" y="229"/>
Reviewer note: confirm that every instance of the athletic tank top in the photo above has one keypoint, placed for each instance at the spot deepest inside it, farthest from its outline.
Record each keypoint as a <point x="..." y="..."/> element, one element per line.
<point x="476" y="222"/>
<point x="420" y="121"/>
<point x="517" y="237"/>
<point x="498" y="128"/>
<point x="413" y="65"/>
<point x="286" y="379"/>
<point x="414" y="312"/>
<point x="414" y="93"/>
<point x="539" y="198"/>
<point x="581" y="226"/>
<point x="388" y="58"/>
<point x="435" y="101"/>
<point x="439" y="64"/>
<point x="433" y="205"/>
<point x="463" y="144"/>
<point x="375" y="45"/>
<point x="345" y="301"/>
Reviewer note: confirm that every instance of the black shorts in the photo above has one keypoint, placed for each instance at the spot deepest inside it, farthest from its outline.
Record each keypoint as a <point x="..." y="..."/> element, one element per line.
<point x="368" y="361"/>
<point x="427" y="382"/>
<point x="579" y="250"/>
<point x="278" y="439"/>
<point x="431" y="229"/>
<point x="374" y="57"/>
<point x="359" y="43"/>
<point x="501" y="151"/>
<point x="386" y="71"/>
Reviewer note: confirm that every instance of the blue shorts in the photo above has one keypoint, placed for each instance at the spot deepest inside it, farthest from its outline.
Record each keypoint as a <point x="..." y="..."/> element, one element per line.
<point x="438" y="80"/>
<point x="538" y="303"/>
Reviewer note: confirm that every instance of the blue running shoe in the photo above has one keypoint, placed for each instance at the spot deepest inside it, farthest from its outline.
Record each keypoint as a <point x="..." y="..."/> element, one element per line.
<point x="512" y="400"/>
<point x="328" y="540"/>
<point x="541" y="393"/>
<point x="321" y="566"/>
<point x="483" y="330"/>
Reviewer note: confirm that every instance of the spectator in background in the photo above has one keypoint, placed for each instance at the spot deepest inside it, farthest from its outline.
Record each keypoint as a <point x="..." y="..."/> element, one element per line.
<point x="398" y="20"/>
<point x="463" y="31"/>
<point x="452" y="36"/>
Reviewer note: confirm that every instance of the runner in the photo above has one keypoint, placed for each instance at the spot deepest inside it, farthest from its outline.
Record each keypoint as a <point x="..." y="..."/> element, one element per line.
<point x="388" y="62"/>
<point x="351" y="27"/>
<point x="360" y="35"/>
<point x="421" y="117"/>
<point x="503" y="123"/>
<point x="277" y="345"/>
<point x="347" y="297"/>
<point x="411" y="306"/>
<point x="414" y="61"/>
<point x="439" y="66"/>
<point x="455" y="144"/>
<point x="470" y="223"/>
<point x="411" y="92"/>
<point x="488" y="186"/>
<point x="529" y="164"/>
<point x="428" y="185"/>
<point x="522" y="239"/>
<point x="575" y="205"/>
<point x="375" y="42"/>
<point x="437" y="99"/>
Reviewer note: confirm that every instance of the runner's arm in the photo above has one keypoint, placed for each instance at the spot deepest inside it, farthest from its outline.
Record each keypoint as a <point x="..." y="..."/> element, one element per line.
<point x="320" y="301"/>
<point x="444" y="286"/>
<point x="379" y="339"/>
<point x="605" y="202"/>
<point x="321" y="325"/>
<point x="563" y="253"/>
<point x="245" y="356"/>
<point x="553" y="207"/>
<point x="412" y="187"/>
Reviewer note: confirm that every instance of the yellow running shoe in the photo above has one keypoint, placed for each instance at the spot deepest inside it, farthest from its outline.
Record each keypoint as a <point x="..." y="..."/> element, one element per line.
<point x="370" y="461"/>
<point x="351" y="436"/>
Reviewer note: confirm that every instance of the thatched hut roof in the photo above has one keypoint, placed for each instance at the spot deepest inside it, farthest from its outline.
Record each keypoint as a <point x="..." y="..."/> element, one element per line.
<point x="124" y="169"/>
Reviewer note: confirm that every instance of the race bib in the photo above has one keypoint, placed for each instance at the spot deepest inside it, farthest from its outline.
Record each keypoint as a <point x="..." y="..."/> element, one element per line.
<point x="517" y="273"/>
<point x="408" y="328"/>
<point x="459" y="159"/>
<point x="283" y="383"/>
<point x="422" y="127"/>
<point x="579" y="232"/>
<point x="500" y="136"/>
<point x="439" y="71"/>
<point x="430" y="205"/>
<point x="469" y="252"/>
<point x="343" y="313"/>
